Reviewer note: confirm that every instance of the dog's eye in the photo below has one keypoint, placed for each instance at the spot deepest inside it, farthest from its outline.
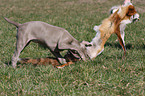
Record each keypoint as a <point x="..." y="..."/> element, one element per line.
<point x="131" y="9"/>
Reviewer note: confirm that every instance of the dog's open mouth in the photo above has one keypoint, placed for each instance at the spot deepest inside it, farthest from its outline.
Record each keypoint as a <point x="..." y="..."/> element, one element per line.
<point x="135" y="19"/>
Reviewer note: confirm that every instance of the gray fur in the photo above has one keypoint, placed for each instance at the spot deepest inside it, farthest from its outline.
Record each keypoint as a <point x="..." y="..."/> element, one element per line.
<point x="55" y="38"/>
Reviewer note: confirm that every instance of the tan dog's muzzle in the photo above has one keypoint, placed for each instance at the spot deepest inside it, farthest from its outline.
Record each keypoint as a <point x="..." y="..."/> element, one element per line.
<point x="136" y="17"/>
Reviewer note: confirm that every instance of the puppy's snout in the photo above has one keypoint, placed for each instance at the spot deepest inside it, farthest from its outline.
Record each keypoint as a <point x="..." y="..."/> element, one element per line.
<point x="136" y="17"/>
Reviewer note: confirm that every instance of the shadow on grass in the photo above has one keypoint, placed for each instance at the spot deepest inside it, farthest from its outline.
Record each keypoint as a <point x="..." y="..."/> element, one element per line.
<point x="35" y="62"/>
<point x="19" y="65"/>
<point x="143" y="46"/>
<point x="117" y="45"/>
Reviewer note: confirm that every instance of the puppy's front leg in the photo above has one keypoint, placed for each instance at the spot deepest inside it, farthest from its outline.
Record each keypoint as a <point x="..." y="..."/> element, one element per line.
<point x="59" y="57"/>
<point x="121" y="42"/>
<point x="77" y="48"/>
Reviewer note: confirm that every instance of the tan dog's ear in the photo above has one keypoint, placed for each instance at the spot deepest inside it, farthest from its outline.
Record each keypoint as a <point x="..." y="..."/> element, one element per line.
<point x="131" y="10"/>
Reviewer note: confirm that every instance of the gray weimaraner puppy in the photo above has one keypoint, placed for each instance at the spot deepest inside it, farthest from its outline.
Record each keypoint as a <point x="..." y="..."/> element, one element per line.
<point x="55" y="38"/>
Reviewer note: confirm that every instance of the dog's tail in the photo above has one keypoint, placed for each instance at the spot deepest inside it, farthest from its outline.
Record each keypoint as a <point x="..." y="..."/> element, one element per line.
<point x="12" y="22"/>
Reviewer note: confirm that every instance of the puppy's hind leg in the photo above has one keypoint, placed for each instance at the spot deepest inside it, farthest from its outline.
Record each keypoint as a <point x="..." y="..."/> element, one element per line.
<point x="121" y="42"/>
<point x="122" y="36"/>
<point x="19" y="47"/>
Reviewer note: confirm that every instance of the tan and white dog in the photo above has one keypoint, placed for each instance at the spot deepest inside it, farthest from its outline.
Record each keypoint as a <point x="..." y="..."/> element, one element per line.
<point x="124" y="22"/>
<point x="116" y="23"/>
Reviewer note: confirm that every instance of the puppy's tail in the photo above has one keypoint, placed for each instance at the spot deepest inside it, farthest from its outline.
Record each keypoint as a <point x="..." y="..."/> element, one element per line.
<point x="12" y="22"/>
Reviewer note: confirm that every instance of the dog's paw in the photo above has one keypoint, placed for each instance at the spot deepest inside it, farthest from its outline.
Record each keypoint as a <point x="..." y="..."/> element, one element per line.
<point x="96" y="28"/>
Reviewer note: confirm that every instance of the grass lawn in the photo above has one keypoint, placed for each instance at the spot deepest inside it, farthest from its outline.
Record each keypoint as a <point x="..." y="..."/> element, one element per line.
<point x="107" y="75"/>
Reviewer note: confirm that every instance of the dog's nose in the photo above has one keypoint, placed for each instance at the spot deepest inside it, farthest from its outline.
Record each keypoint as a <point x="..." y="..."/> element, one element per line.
<point x="137" y="19"/>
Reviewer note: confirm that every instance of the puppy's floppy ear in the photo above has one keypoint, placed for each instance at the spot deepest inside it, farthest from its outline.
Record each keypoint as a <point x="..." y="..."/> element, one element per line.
<point x="131" y="10"/>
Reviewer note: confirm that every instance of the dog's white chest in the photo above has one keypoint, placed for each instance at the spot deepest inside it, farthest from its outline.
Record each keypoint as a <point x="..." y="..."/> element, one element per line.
<point x="96" y="49"/>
